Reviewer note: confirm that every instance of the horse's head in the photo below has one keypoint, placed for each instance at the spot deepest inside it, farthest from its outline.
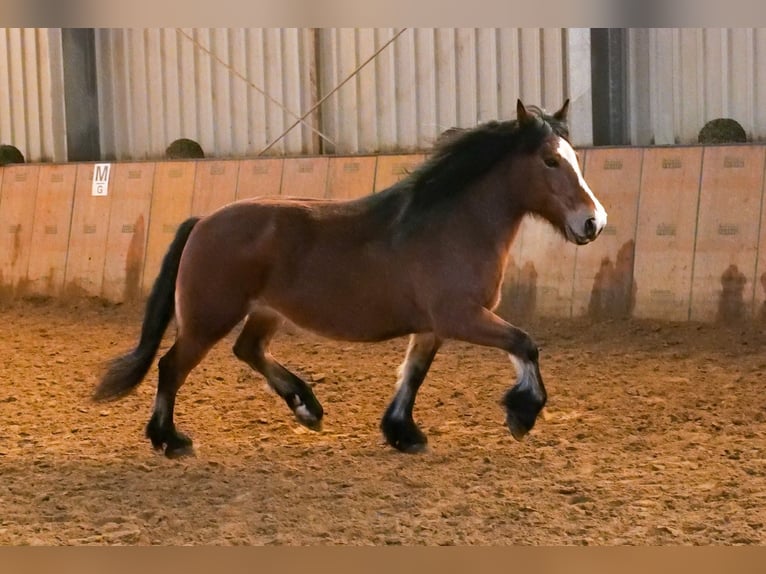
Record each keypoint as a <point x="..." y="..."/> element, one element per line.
<point x="554" y="187"/>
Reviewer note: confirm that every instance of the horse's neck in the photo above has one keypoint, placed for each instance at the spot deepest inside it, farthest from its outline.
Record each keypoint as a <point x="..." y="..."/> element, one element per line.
<point x="492" y="210"/>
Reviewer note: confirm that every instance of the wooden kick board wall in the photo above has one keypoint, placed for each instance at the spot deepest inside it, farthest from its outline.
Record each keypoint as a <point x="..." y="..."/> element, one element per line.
<point x="726" y="249"/>
<point x="698" y="211"/>
<point x="392" y="168"/>
<point x="17" y="212"/>
<point x="604" y="268"/>
<point x="130" y="191"/>
<point x="305" y="177"/>
<point x="350" y="177"/>
<point x="551" y="260"/>
<point x="666" y="231"/>
<point x="759" y="288"/>
<point x="259" y="178"/>
<point x="50" y="230"/>
<point x="171" y="205"/>
<point x="88" y="237"/>
<point x="215" y="185"/>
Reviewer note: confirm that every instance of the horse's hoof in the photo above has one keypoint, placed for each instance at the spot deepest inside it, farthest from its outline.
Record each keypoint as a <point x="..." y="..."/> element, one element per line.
<point x="180" y="451"/>
<point x="311" y="424"/>
<point x="308" y="412"/>
<point x="177" y="445"/>
<point x="414" y="448"/>
<point x="521" y="409"/>
<point x="517" y="428"/>
<point x="308" y="419"/>
<point x="404" y="436"/>
<point x="157" y="444"/>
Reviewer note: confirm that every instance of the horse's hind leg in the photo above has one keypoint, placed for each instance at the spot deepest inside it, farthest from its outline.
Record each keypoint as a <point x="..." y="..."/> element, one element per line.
<point x="190" y="347"/>
<point x="252" y="348"/>
<point x="397" y="425"/>
<point x="174" y="367"/>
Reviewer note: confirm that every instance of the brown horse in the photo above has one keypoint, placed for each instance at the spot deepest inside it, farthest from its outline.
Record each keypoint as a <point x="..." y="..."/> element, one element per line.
<point x="423" y="258"/>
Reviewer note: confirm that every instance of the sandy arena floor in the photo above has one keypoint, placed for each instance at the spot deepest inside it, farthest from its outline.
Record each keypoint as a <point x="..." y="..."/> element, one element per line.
<point x="655" y="433"/>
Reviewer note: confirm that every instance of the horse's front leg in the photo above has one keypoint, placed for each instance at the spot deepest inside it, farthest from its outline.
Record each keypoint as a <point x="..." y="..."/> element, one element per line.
<point x="397" y="425"/>
<point x="524" y="401"/>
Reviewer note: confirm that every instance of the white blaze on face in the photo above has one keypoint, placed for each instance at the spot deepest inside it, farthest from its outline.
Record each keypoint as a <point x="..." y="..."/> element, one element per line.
<point x="567" y="153"/>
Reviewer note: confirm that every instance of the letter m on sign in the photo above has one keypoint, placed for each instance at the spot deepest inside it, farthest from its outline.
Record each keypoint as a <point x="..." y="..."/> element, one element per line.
<point x="101" y="179"/>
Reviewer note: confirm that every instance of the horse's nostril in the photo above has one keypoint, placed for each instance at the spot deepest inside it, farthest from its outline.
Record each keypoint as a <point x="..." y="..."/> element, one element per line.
<point x="591" y="230"/>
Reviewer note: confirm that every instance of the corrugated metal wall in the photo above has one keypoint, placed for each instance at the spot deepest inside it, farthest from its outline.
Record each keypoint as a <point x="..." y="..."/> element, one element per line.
<point x="432" y="79"/>
<point x="681" y="78"/>
<point x="31" y="93"/>
<point x="237" y="90"/>
<point x="232" y="90"/>
<point x="159" y="85"/>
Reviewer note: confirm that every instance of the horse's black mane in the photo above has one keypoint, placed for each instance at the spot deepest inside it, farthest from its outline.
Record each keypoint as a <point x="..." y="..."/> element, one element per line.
<point x="463" y="155"/>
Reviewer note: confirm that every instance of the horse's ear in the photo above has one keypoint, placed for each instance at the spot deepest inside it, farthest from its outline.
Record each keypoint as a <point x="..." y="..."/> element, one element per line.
<point x="522" y="115"/>
<point x="563" y="113"/>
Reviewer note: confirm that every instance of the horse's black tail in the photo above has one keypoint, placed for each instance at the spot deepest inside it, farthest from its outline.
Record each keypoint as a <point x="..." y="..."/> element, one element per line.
<point x="125" y="372"/>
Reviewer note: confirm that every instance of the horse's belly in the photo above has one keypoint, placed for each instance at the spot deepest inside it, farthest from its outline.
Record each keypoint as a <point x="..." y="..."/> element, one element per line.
<point x="343" y="310"/>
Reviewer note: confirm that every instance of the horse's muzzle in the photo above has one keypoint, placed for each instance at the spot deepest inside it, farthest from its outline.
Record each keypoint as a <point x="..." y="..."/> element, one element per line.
<point x="587" y="231"/>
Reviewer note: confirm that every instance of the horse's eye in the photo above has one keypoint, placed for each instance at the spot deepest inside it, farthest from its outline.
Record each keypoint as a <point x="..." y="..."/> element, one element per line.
<point x="551" y="162"/>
